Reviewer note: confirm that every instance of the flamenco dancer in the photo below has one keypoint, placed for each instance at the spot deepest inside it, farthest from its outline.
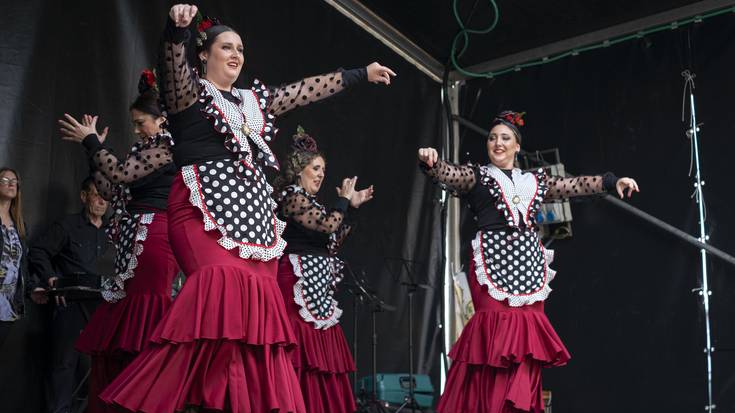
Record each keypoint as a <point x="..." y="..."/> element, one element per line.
<point x="138" y="185"/>
<point x="498" y="358"/>
<point x="224" y="345"/>
<point x="308" y="274"/>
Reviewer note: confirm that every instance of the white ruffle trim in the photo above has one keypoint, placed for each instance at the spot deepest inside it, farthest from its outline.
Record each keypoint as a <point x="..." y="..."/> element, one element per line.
<point x="117" y="292"/>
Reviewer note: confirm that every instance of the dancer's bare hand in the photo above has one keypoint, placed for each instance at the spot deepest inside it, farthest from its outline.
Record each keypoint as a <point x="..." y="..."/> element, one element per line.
<point x="348" y="188"/>
<point x="429" y="156"/>
<point x="377" y="73"/>
<point x="72" y="130"/>
<point x="362" y="196"/>
<point x="628" y="184"/>
<point x="91" y="121"/>
<point x="182" y="14"/>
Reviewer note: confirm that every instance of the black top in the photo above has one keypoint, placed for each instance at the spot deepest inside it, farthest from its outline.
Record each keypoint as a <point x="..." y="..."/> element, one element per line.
<point x="151" y="192"/>
<point x="311" y="228"/>
<point x="71" y="246"/>
<point x="482" y="206"/>
<point x="146" y="170"/>
<point x="304" y="241"/>
<point x="196" y="140"/>
<point x="464" y="181"/>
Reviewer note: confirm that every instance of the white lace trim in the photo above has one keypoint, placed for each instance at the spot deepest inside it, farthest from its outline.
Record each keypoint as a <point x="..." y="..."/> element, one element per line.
<point x="524" y="186"/>
<point x="251" y="112"/>
<point x="117" y="293"/>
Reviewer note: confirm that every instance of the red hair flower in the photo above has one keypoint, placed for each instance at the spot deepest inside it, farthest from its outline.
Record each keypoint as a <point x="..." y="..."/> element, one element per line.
<point x="518" y="120"/>
<point x="149" y="77"/>
<point x="304" y="142"/>
<point x="514" y="118"/>
<point x="204" y="25"/>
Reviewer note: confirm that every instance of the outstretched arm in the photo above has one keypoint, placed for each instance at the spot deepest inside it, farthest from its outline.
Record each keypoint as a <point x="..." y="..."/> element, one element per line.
<point x="560" y="187"/>
<point x="458" y="179"/>
<point x="312" y="89"/>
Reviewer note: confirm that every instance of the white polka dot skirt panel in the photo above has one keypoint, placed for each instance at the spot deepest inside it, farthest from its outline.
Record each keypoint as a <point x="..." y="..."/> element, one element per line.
<point x="514" y="265"/>
<point x="235" y="199"/>
<point x="317" y="278"/>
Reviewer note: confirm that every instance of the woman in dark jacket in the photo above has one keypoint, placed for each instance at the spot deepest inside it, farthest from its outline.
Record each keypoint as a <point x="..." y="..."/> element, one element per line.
<point x="13" y="250"/>
<point x="19" y="361"/>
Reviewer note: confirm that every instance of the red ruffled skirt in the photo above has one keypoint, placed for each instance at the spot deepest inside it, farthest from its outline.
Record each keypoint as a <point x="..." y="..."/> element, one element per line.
<point x="497" y="360"/>
<point x="118" y="331"/>
<point x="322" y="360"/>
<point x="224" y="344"/>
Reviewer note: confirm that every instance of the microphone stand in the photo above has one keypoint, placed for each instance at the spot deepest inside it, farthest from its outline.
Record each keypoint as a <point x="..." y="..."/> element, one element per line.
<point x="364" y="295"/>
<point x="411" y="288"/>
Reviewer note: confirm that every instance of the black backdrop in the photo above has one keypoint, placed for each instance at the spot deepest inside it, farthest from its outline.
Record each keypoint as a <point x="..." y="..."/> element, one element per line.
<point x="86" y="56"/>
<point x="622" y="299"/>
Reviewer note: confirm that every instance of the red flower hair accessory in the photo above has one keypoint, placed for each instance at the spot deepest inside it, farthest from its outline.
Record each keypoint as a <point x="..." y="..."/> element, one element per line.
<point x="514" y="118"/>
<point x="147" y="81"/>
<point x="202" y="24"/>
<point x="304" y="142"/>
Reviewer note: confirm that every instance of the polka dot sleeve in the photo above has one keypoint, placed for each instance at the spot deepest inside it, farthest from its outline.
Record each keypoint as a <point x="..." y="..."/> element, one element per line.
<point x="560" y="187"/>
<point x="339" y="237"/>
<point x="136" y="165"/>
<point x="179" y="87"/>
<point x="457" y="179"/>
<point x="303" y="92"/>
<point x="103" y="185"/>
<point x="311" y="215"/>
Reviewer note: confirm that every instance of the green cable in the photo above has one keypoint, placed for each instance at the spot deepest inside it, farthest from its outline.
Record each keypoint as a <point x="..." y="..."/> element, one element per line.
<point x="464" y="33"/>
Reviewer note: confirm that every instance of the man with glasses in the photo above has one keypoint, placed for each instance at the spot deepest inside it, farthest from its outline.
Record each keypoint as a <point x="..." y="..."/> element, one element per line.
<point x="67" y="255"/>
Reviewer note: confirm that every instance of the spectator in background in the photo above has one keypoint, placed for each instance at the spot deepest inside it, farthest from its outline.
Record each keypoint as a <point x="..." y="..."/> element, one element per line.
<point x="14" y="254"/>
<point x="68" y="254"/>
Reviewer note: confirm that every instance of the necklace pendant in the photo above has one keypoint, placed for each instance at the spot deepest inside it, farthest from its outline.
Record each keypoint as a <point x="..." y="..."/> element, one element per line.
<point x="245" y="129"/>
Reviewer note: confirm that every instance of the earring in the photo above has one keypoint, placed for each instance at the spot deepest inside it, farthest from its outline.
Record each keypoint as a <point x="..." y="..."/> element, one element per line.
<point x="204" y="66"/>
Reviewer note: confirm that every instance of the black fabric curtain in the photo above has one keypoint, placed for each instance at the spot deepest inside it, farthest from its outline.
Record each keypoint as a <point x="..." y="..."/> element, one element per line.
<point x="622" y="299"/>
<point x="86" y="56"/>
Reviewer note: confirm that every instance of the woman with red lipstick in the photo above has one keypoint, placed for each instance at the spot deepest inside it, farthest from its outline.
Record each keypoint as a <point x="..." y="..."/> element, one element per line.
<point x="138" y="185"/>
<point x="497" y="361"/>
<point x="308" y="274"/>
<point x="225" y="343"/>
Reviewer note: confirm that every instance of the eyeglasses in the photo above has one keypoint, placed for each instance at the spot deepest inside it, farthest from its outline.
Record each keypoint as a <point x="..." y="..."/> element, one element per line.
<point x="9" y="181"/>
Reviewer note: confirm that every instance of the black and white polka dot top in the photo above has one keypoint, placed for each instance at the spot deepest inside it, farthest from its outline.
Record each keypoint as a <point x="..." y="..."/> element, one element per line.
<point x="146" y="172"/>
<point x="137" y="187"/>
<point x="314" y="235"/>
<point x="203" y="125"/>
<point x="222" y="142"/>
<point x="484" y="200"/>
<point x="508" y="256"/>
<point x="312" y="228"/>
